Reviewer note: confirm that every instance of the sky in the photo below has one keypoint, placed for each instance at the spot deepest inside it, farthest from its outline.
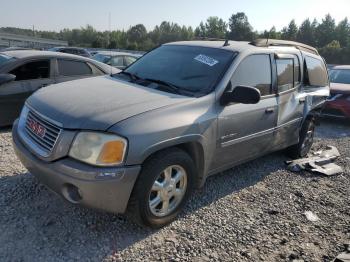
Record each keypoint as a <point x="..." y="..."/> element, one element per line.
<point x="262" y="14"/>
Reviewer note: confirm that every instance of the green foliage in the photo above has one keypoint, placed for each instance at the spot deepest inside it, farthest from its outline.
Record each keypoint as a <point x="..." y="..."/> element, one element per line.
<point x="240" y="28"/>
<point x="215" y="27"/>
<point x="306" y="33"/>
<point x="332" y="40"/>
<point x="290" y="32"/>
<point x="325" y="32"/>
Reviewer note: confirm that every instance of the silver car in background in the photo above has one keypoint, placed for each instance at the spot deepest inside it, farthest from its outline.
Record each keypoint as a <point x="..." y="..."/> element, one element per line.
<point x="120" y="60"/>
<point x="24" y="72"/>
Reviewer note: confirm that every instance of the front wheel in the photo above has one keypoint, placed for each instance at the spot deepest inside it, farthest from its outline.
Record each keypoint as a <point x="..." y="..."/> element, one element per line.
<point x="163" y="186"/>
<point x="306" y="139"/>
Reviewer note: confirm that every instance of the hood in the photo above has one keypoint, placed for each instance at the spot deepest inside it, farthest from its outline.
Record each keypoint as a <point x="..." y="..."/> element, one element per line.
<point x="337" y="88"/>
<point x="98" y="103"/>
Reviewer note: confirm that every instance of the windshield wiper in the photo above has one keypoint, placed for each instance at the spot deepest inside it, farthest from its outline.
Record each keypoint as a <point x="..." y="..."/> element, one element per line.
<point x="133" y="77"/>
<point x="170" y="86"/>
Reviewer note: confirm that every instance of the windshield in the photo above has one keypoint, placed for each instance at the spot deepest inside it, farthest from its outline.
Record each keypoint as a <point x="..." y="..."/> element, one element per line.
<point x="102" y="58"/>
<point x="4" y="59"/>
<point x="188" y="68"/>
<point x="341" y="76"/>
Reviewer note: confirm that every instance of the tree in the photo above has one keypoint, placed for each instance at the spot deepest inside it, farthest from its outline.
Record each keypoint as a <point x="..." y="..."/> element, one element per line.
<point x="272" y="34"/>
<point x="290" y="32"/>
<point x="306" y="33"/>
<point x="239" y="27"/>
<point x="326" y="31"/>
<point x="137" y="33"/>
<point x="214" y="27"/>
<point x="343" y="33"/>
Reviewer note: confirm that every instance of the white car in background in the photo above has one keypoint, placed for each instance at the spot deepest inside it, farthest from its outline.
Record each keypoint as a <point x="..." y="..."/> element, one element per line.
<point x="119" y="60"/>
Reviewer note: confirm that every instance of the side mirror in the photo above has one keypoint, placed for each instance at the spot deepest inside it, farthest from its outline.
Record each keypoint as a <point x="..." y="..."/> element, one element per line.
<point x="6" y="78"/>
<point x="241" y="94"/>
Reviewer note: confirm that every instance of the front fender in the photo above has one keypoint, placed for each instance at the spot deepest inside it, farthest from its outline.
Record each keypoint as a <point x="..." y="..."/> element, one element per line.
<point x="176" y="141"/>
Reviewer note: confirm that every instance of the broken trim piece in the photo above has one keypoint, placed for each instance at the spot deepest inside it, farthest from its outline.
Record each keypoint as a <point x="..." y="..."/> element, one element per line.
<point x="321" y="162"/>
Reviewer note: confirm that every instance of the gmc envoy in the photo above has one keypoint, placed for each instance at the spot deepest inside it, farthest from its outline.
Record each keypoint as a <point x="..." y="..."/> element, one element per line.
<point x="140" y="141"/>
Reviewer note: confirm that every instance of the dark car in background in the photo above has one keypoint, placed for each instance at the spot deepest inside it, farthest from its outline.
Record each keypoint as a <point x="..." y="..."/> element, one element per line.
<point x="24" y="72"/>
<point x="72" y="50"/>
<point x="119" y="60"/>
<point x="338" y="104"/>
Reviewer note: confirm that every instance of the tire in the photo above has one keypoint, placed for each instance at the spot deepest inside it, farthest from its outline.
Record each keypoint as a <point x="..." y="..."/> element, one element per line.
<point x="178" y="164"/>
<point x="306" y="139"/>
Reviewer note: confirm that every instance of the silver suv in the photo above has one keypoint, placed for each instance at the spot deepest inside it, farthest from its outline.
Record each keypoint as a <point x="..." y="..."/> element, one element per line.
<point x="140" y="141"/>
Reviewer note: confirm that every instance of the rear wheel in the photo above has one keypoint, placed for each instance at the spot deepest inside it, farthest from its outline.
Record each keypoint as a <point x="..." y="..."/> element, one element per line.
<point x="306" y="140"/>
<point x="163" y="186"/>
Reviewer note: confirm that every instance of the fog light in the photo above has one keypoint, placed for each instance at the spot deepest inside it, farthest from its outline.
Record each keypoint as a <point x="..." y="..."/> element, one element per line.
<point x="72" y="193"/>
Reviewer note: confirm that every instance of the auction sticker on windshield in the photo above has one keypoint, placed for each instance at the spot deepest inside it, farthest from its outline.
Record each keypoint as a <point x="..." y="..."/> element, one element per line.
<point x="206" y="60"/>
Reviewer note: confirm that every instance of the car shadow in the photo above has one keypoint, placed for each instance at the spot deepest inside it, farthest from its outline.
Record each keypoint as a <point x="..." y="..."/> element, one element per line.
<point x="335" y="128"/>
<point x="5" y="129"/>
<point x="44" y="222"/>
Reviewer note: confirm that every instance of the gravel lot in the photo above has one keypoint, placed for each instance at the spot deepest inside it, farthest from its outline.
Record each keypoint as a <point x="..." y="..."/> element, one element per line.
<point x="254" y="212"/>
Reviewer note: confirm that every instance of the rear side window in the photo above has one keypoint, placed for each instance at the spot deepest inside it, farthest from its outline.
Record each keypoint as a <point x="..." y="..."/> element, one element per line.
<point x="32" y="70"/>
<point x="285" y="74"/>
<point x="73" y="68"/>
<point x="316" y="72"/>
<point x="255" y="71"/>
<point x="129" y="60"/>
<point x="117" y="61"/>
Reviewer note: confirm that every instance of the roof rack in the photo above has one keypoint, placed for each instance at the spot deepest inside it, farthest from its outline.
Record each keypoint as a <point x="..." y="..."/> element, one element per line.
<point x="275" y="42"/>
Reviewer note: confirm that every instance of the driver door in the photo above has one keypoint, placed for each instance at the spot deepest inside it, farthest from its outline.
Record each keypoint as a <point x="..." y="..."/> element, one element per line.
<point x="246" y="131"/>
<point x="30" y="76"/>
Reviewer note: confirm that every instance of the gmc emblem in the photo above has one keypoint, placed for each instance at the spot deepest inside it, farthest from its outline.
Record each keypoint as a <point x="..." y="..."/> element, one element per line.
<point x="36" y="128"/>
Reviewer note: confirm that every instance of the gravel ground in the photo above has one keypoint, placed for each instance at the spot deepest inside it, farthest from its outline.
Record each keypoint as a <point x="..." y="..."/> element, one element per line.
<point x="254" y="212"/>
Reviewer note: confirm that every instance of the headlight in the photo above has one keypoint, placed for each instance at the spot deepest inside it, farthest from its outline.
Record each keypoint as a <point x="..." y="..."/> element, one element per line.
<point x="99" y="149"/>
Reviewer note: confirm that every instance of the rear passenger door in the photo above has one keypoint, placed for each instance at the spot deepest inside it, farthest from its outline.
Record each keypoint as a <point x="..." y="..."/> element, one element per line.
<point x="68" y="70"/>
<point x="246" y="130"/>
<point x="290" y="103"/>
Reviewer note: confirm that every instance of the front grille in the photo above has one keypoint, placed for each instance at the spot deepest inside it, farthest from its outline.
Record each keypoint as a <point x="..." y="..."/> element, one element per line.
<point x="52" y="132"/>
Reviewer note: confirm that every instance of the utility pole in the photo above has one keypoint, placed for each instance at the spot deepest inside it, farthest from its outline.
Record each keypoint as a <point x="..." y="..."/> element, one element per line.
<point x="33" y="31"/>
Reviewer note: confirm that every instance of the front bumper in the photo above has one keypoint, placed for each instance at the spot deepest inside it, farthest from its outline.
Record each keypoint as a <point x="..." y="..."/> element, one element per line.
<point x="107" y="189"/>
<point x="337" y="108"/>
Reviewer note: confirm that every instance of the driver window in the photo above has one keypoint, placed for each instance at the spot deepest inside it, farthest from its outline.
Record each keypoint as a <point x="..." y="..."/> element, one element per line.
<point x="32" y="70"/>
<point x="254" y="71"/>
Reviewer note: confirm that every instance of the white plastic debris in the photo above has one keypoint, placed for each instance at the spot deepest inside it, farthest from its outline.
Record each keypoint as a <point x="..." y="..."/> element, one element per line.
<point x="311" y="216"/>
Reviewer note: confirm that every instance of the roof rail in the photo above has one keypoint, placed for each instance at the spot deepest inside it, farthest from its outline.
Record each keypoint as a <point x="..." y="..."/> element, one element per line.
<point x="200" y="38"/>
<point x="276" y="42"/>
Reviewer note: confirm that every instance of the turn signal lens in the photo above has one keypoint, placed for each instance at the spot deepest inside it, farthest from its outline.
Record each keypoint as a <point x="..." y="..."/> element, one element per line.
<point x="112" y="152"/>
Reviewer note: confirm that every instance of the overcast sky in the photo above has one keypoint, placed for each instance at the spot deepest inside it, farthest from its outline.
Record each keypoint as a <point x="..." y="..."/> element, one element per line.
<point x="262" y="14"/>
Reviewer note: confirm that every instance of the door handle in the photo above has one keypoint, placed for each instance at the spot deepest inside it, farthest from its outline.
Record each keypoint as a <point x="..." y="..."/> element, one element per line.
<point x="269" y="110"/>
<point x="302" y="100"/>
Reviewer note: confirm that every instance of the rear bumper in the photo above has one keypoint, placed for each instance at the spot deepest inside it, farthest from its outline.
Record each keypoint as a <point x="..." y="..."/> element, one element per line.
<point x="107" y="189"/>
